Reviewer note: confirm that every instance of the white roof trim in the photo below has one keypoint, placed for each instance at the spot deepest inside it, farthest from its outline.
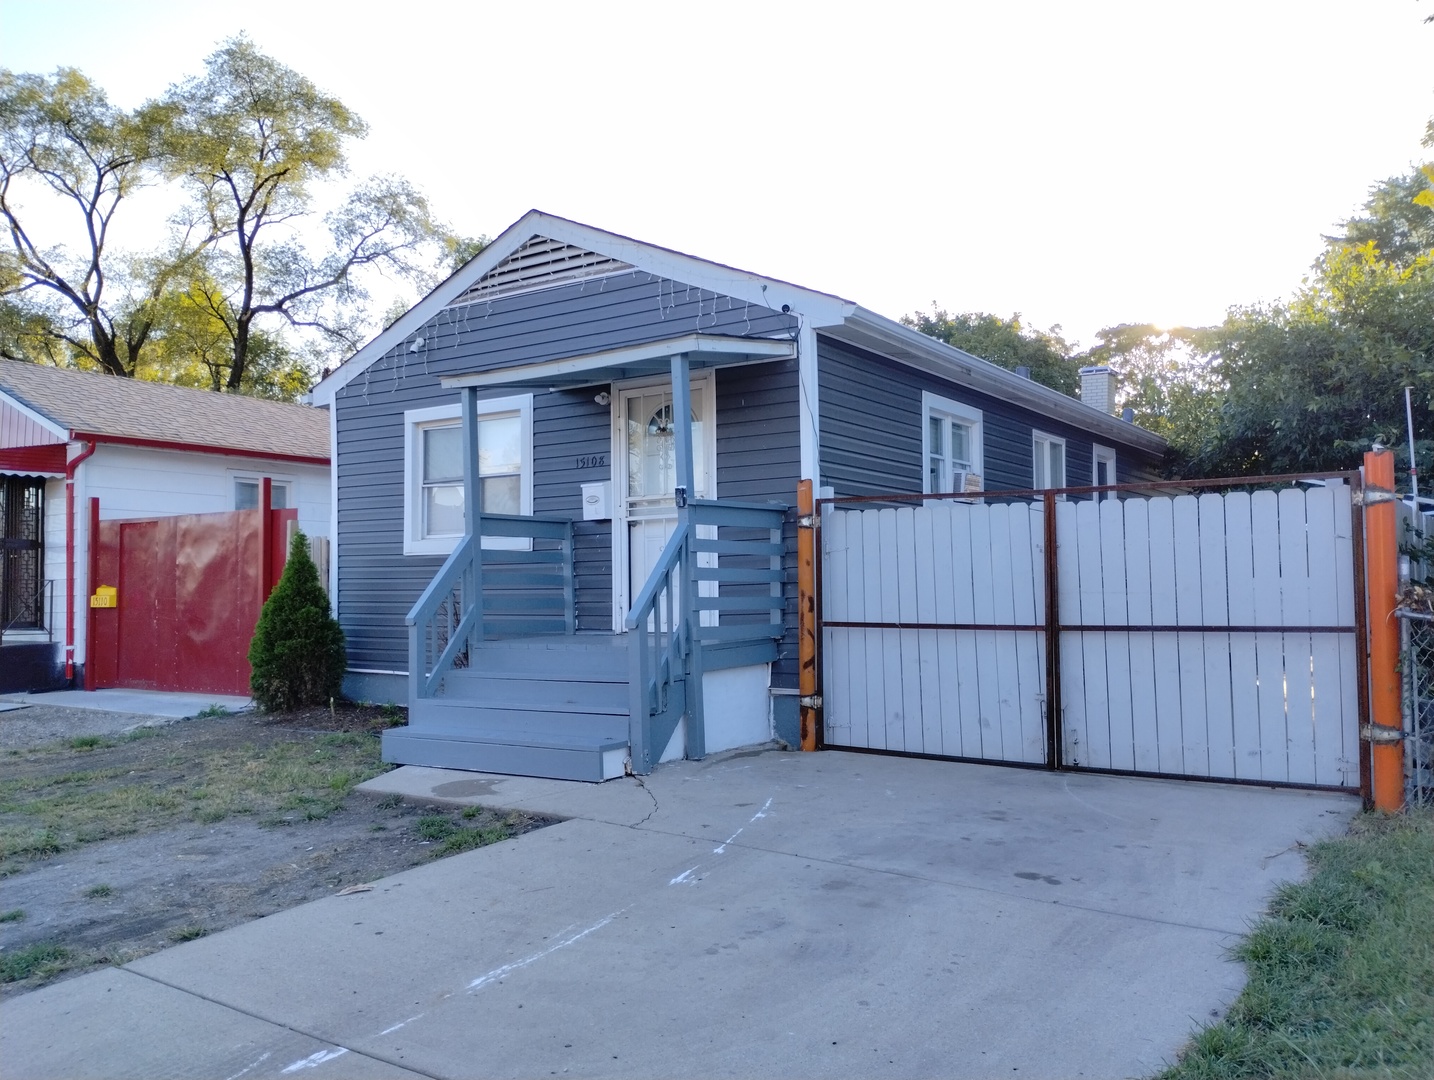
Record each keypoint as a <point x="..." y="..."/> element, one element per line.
<point x="565" y="369"/>
<point x="39" y="418"/>
<point x="816" y="308"/>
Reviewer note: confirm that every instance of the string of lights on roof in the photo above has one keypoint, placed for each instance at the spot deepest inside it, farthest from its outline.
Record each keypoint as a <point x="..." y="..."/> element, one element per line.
<point x="538" y="264"/>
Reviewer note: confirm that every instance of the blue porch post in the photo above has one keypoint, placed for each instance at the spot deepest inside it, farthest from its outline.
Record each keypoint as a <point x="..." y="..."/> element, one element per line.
<point x="472" y="580"/>
<point x="687" y="491"/>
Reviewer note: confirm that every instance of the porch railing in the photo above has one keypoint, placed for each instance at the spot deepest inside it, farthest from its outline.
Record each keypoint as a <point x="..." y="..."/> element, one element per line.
<point x="525" y="589"/>
<point x="717" y="584"/>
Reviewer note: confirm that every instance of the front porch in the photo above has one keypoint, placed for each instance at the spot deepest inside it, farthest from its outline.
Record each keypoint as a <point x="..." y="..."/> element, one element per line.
<point x="501" y="679"/>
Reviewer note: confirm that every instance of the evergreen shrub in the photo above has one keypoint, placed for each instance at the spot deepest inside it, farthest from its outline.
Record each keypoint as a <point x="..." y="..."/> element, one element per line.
<point x="297" y="657"/>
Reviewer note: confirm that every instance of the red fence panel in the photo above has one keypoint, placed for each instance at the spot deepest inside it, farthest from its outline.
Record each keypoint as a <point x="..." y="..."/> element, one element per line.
<point x="190" y="589"/>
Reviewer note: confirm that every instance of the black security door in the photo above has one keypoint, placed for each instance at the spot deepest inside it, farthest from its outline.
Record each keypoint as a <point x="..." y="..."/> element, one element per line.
<point x="22" y="517"/>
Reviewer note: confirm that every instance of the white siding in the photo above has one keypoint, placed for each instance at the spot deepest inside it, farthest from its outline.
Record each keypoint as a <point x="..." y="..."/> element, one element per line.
<point x="55" y="557"/>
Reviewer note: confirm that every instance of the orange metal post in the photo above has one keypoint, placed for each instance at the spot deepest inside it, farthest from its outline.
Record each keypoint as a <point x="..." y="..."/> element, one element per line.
<point x="1382" y="581"/>
<point x="807" y="613"/>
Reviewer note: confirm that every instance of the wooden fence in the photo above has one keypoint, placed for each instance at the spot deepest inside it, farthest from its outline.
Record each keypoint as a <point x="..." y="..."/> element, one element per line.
<point x="1192" y="634"/>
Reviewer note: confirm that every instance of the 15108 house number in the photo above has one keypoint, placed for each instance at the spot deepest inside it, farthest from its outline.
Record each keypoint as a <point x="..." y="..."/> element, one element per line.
<point x="592" y="461"/>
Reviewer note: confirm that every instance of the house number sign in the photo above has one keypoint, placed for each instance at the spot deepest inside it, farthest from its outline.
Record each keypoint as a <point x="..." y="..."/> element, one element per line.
<point x="592" y="461"/>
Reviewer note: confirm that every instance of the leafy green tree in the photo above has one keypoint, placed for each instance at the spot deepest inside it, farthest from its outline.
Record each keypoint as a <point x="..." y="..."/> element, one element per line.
<point x="252" y="140"/>
<point x="76" y="297"/>
<point x="297" y="655"/>
<point x="193" y="348"/>
<point x="253" y="288"/>
<point x="1006" y="342"/>
<point x="1312" y="382"/>
<point x="1165" y="379"/>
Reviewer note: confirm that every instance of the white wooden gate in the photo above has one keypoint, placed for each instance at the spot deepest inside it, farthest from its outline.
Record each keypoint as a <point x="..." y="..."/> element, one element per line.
<point x="1208" y="635"/>
<point x="932" y="617"/>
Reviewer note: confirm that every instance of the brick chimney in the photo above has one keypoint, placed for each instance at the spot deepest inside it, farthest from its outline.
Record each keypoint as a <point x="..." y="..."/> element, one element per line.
<point x="1097" y="388"/>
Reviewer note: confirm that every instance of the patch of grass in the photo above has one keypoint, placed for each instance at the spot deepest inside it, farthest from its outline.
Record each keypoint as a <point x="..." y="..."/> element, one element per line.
<point x="1341" y="969"/>
<point x="434" y="827"/>
<point x="392" y="715"/>
<point x="471" y="812"/>
<point x="452" y="837"/>
<point x="15" y="915"/>
<point x="39" y="960"/>
<point x="301" y="778"/>
<point x="468" y="839"/>
<point x="210" y="712"/>
<point x="186" y="933"/>
<point x="99" y="892"/>
<point x="88" y="742"/>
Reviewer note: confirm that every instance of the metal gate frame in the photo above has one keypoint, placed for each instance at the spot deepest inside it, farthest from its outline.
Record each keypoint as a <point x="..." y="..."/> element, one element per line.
<point x="1053" y="627"/>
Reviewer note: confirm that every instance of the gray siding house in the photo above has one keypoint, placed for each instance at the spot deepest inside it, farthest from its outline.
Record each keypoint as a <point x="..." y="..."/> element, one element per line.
<point x="564" y="488"/>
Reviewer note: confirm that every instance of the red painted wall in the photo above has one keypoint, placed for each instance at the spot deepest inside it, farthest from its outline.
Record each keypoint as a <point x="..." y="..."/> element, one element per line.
<point x="190" y="591"/>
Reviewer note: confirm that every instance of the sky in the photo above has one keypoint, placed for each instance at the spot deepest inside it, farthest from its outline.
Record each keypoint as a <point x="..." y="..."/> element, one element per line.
<point x="1083" y="164"/>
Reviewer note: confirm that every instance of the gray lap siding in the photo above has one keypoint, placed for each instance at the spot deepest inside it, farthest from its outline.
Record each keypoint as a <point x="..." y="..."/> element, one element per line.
<point x="759" y="459"/>
<point x="377" y="583"/>
<point x="871" y="429"/>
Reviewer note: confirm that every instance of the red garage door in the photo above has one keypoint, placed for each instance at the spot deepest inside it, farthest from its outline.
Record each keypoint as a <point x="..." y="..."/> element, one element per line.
<point x="189" y="590"/>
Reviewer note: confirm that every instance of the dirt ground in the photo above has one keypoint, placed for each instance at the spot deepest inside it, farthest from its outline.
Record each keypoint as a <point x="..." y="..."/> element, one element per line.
<point x="181" y="876"/>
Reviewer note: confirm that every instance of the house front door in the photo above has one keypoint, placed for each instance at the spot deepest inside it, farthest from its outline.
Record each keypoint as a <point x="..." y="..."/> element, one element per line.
<point x="647" y="468"/>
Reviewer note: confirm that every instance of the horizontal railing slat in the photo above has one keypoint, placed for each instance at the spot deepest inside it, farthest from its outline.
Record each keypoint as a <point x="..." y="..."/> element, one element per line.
<point x="739" y="603"/>
<point x="509" y="525"/>
<point x="738" y="575"/>
<point x="739" y="632"/>
<point x="743" y="517"/>
<point x="736" y="547"/>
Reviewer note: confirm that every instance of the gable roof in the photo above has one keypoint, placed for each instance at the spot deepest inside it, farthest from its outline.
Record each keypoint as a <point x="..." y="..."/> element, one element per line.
<point x="104" y="408"/>
<point x="540" y="250"/>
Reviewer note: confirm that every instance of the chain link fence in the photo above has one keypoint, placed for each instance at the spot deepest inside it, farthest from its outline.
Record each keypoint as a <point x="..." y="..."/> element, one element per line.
<point x="1417" y="639"/>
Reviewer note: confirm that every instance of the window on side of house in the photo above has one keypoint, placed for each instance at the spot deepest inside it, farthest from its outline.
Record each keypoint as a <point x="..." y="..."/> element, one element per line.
<point x="1049" y="461"/>
<point x="951" y="442"/>
<point x="434" y="467"/>
<point x="1103" y="470"/>
<point x="246" y="493"/>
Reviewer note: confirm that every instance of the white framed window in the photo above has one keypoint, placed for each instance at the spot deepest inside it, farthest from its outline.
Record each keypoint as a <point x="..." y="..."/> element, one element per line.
<point x="433" y="471"/>
<point x="951" y="446"/>
<point x="1049" y="461"/>
<point x="1102" y="470"/>
<point x="247" y="491"/>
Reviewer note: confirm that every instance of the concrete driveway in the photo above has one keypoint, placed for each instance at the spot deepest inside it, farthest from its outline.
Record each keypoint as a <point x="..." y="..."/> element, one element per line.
<point x="767" y="914"/>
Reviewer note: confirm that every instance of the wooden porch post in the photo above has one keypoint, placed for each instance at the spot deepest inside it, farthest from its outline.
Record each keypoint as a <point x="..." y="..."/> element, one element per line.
<point x="1382" y="581"/>
<point x="686" y="491"/>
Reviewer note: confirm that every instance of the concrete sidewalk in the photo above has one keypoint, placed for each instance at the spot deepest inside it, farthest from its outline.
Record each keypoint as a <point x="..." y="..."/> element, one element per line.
<point x="764" y="915"/>
<point x="175" y="706"/>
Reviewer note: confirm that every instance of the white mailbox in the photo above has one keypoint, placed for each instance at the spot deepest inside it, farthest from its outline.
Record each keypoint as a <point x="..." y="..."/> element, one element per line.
<point x="597" y="501"/>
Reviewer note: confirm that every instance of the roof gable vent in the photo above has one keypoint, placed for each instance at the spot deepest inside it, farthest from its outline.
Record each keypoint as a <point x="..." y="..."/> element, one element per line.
<point x="539" y="264"/>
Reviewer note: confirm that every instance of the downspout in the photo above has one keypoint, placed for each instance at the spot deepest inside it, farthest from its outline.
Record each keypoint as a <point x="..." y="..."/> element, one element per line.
<point x="70" y="469"/>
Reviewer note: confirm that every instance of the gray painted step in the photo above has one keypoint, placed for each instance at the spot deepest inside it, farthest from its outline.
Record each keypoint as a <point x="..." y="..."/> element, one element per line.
<point x="510" y="690"/>
<point x="465" y="717"/>
<point x="597" y="658"/>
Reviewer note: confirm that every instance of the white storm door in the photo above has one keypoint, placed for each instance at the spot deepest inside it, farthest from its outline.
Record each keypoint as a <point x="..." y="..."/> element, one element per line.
<point x="647" y="464"/>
